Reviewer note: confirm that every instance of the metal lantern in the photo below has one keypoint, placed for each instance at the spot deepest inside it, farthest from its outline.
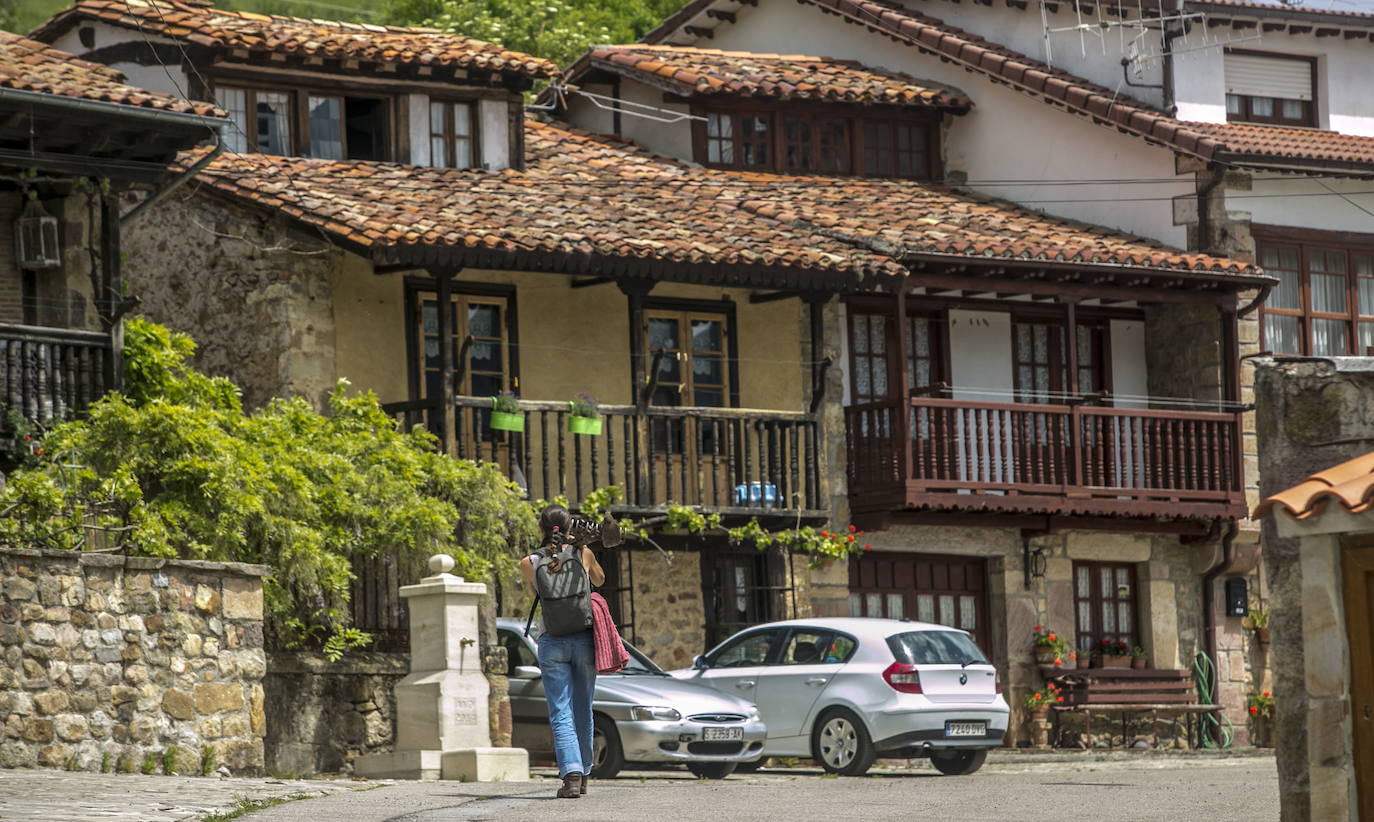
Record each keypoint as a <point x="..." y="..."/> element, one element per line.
<point x="36" y="233"/>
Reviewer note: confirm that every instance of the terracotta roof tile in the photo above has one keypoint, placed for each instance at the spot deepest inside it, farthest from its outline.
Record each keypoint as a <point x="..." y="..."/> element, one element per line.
<point x="775" y="76"/>
<point x="1282" y="142"/>
<point x="1350" y="484"/>
<point x="241" y="30"/>
<point x="28" y="65"/>
<point x="583" y="197"/>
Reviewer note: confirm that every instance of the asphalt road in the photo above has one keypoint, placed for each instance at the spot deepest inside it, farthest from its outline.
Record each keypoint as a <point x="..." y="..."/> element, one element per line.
<point x="1213" y="789"/>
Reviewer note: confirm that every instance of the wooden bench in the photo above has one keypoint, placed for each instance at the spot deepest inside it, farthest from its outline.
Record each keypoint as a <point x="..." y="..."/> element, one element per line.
<point x="1130" y="691"/>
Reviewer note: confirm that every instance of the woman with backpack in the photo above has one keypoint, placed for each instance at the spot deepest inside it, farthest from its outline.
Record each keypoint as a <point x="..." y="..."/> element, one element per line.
<point x="561" y="574"/>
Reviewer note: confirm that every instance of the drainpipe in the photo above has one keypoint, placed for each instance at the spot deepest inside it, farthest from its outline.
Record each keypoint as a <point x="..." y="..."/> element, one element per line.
<point x="181" y="179"/>
<point x="1209" y="578"/>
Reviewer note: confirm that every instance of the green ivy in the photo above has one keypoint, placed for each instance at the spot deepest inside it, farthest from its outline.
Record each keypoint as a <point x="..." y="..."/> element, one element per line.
<point x="176" y="468"/>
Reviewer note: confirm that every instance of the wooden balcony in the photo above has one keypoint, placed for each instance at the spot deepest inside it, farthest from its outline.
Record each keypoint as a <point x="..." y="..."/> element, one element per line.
<point x="50" y="374"/>
<point x="1043" y="459"/>
<point x="733" y="461"/>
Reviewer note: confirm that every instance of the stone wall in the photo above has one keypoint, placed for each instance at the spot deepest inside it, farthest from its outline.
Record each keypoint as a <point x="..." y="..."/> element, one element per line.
<point x="669" y="616"/>
<point x="255" y="294"/>
<point x="111" y="660"/>
<point x="323" y="715"/>
<point x="1312" y="414"/>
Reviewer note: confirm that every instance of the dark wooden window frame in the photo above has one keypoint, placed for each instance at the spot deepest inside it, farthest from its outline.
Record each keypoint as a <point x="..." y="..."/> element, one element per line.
<point x="939" y="342"/>
<point x="1246" y="114"/>
<point x="300" y="110"/>
<point x="1095" y="600"/>
<point x="416" y="286"/>
<point x="853" y="117"/>
<point x="639" y="330"/>
<point x="1100" y="330"/>
<point x="770" y="595"/>
<point x="450" y="135"/>
<point x="982" y="632"/>
<point x="1305" y="241"/>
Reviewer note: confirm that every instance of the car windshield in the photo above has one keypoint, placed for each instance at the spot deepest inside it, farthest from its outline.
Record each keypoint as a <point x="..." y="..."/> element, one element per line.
<point x="935" y="648"/>
<point x="639" y="664"/>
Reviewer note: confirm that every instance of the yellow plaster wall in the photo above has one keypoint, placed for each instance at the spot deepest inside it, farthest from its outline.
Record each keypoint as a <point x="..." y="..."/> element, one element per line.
<point x="571" y="339"/>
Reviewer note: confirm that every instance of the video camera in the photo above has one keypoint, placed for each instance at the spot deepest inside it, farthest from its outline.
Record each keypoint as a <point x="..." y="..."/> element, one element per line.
<point x="585" y="531"/>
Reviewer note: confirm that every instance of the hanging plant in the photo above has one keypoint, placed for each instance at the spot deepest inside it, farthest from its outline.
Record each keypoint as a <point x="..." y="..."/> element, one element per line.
<point x="586" y="416"/>
<point x="505" y="413"/>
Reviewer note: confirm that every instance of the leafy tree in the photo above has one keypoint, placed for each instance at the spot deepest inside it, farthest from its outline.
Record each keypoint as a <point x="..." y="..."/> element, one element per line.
<point x="560" y="30"/>
<point x="176" y="468"/>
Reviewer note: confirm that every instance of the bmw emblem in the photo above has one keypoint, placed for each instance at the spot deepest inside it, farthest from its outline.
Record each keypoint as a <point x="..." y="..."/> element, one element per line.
<point x="963" y="679"/>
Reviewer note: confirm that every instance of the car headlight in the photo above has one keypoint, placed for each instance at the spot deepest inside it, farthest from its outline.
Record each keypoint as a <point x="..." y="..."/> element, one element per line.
<point x="754" y="713"/>
<point x="644" y="713"/>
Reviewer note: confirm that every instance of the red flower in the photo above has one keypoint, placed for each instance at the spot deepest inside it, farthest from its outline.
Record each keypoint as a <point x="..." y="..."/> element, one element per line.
<point x="861" y="533"/>
<point x="1073" y="655"/>
<point x="825" y="534"/>
<point x="1042" y="696"/>
<point x="868" y="547"/>
<point x="1051" y="637"/>
<point x="851" y="529"/>
<point x="1059" y="699"/>
<point x="1254" y="710"/>
<point x="1267" y="694"/>
<point x="850" y="538"/>
<point x="1036" y="629"/>
<point x="1059" y="662"/>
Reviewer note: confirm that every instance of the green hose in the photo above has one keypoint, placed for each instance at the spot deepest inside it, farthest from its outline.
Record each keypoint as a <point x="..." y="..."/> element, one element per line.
<point x="1211" y="725"/>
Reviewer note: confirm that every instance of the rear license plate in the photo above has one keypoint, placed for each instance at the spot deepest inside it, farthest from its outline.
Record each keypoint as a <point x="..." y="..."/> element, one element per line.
<point x="722" y="734"/>
<point x="966" y="729"/>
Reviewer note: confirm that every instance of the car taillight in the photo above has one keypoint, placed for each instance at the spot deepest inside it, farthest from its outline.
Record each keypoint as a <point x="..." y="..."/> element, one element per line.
<point x="997" y="682"/>
<point x="904" y="678"/>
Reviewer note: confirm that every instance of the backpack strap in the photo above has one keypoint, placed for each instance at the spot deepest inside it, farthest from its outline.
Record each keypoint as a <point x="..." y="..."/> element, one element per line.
<point x="541" y="552"/>
<point x="530" y="621"/>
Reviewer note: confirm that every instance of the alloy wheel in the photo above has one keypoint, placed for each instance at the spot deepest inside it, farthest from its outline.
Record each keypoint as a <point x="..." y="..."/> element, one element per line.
<point x="839" y="743"/>
<point x="598" y="748"/>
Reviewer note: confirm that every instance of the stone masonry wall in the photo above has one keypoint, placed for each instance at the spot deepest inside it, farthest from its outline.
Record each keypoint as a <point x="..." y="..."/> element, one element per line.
<point x="255" y="294"/>
<point x="110" y="661"/>
<point x="323" y="715"/>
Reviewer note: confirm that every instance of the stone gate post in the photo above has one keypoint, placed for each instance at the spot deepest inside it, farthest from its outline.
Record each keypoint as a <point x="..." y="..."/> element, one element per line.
<point x="442" y="725"/>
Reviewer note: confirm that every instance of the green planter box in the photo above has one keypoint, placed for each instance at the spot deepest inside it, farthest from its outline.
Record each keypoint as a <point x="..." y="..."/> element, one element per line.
<point x="585" y="425"/>
<point x="501" y="421"/>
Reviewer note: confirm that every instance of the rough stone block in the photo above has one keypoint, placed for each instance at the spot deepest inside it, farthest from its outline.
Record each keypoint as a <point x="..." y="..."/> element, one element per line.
<point x="207" y="599"/>
<point x="178" y="704"/>
<point x="242" y="598"/>
<point x="71" y="727"/>
<point x="51" y="702"/>
<point x="213" y="697"/>
<point x="486" y="765"/>
<point x="19" y="589"/>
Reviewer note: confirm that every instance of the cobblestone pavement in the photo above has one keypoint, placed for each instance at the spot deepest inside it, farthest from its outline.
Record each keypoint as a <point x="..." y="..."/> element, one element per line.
<point x="60" y="796"/>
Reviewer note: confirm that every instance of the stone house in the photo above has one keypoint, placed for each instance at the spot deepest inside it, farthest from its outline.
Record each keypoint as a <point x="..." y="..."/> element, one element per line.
<point x="1036" y="419"/>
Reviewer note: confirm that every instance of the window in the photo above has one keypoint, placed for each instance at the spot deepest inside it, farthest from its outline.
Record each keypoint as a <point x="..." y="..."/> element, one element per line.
<point x="335" y="127"/>
<point x="1270" y="88"/>
<point x="452" y="135"/>
<point x="694" y="368"/>
<point x="748" y="650"/>
<point x="814" y="142"/>
<point x="806" y="646"/>
<point x="1041" y="362"/>
<point x="945" y="590"/>
<point x="482" y="324"/>
<point x="1323" y="304"/>
<point x="517" y="652"/>
<point x="868" y="341"/>
<point x="1105" y="604"/>
<point x="935" y="648"/>
<point x="742" y="588"/>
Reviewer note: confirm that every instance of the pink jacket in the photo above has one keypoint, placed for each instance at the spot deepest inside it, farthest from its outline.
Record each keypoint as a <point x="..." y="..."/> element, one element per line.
<point x="611" y="655"/>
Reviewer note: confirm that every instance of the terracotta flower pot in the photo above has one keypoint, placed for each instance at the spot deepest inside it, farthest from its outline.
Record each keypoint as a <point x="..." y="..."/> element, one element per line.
<point x="1140" y="663"/>
<point x="1114" y="661"/>
<point x="1262" y="634"/>
<point x="1084" y="661"/>
<point x="1046" y="656"/>
<point x="1041" y="713"/>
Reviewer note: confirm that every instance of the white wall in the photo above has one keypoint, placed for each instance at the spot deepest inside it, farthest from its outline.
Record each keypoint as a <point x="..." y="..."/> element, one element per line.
<point x="1008" y="136"/>
<point x="980" y="355"/>
<point x="152" y="78"/>
<point x="1128" y="362"/>
<point x="1306" y="203"/>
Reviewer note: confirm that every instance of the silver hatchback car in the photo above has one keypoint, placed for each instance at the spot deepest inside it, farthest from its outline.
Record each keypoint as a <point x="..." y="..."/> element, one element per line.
<point x="845" y="691"/>
<point x="642" y="715"/>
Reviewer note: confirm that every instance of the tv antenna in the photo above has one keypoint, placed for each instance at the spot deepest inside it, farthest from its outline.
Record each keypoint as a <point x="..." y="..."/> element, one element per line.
<point x="1133" y="33"/>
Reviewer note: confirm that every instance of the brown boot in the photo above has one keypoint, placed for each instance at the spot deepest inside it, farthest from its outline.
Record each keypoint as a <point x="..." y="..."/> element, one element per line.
<point x="582" y="789"/>
<point x="572" y="786"/>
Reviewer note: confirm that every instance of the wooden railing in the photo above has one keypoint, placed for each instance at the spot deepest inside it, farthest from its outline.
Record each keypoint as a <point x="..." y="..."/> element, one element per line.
<point x="722" y="459"/>
<point x="959" y="454"/>
<point x="50" y="374"/>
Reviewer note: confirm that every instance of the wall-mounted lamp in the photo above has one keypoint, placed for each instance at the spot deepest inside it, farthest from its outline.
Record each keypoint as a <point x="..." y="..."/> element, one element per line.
<point x="1032" y="560"/>
<point x="35" y="233"/>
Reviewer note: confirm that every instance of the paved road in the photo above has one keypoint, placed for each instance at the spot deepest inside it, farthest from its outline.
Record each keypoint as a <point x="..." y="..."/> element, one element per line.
<point x="1135" y="788"/>
<point x="1211" y="789"/>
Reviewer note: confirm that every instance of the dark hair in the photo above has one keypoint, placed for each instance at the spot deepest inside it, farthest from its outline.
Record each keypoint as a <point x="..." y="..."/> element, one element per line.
<point x="554" y="517"/>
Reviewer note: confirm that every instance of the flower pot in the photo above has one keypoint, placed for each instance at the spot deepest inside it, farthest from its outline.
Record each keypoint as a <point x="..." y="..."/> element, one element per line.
<point x="1046" y="656"/>
<point x="1262" y="634"/>
<point x="502" y="421"/>
<point x="585" y="425"/>
<point x="1041" y="713"/>
<point x="1114" y="661"/>
<point x="1139" y="664"/>
<point x="1084" y="661"/>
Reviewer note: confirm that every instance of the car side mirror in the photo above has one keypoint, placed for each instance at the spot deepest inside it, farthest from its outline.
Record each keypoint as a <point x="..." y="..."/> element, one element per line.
<point x="700" y="663"/>
<point x="527" y="672"/>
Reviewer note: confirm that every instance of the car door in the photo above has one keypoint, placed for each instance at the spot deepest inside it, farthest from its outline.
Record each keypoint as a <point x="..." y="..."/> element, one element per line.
<point x="790" y="685"/>
<point x="529" y="711"/>
<point x="734" y="667"/>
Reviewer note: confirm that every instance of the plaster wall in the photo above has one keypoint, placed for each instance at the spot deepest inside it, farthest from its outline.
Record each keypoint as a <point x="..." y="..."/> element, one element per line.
<point x="1008" y="136"/>
<point x="1303" y="202"/>
<point x="980" y="355"/>
<point x="1129" y="374"/>
<point x="172" y="80"/>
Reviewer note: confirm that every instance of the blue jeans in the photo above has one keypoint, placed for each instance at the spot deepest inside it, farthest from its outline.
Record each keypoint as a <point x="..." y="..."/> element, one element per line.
<point x="568" y="667"/>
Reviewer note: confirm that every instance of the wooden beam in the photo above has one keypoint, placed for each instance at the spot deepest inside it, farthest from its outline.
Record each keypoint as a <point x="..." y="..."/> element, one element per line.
<point x="723" y="16"/>
<point x="772" y="297"/>
<point x="698" y="31"/>
<point x="587" y="282"/>
<point x="1047" y="290"/>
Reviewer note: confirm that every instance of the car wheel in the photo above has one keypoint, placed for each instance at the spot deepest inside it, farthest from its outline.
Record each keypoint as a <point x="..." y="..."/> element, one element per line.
<point x="750" y="767"/>
<point x="959" y="763"/>
<point x="840" y="743"/>
<point x="607" y="755"/>
<point x="711" y="770"/>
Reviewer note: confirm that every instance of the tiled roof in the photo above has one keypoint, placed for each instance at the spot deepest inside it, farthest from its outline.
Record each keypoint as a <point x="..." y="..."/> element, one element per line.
<point x="776" y="76"/>
<point x="1350" y="485"/>
<point x="28" y="65"/>
<point x="198" y="23"/>
<point x="1250" y="8"/>
<point x="598" y="203"/>
<point x="1248" y="145"/>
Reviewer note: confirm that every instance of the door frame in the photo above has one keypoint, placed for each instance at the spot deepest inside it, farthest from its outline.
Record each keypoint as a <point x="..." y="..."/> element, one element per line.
<point x="1357" y="583"/>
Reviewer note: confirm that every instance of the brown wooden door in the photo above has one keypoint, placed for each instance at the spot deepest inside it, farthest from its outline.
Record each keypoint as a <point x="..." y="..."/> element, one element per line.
<point x="1358" y="573"/>
<point x="946" y="590"/>
<point x="694" y="371"/>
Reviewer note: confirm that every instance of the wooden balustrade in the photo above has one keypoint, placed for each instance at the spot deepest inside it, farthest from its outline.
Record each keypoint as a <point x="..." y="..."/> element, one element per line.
<point x="50" y="374"/>
<point x="730" y="460"/>
<point x="1043" y="458"/>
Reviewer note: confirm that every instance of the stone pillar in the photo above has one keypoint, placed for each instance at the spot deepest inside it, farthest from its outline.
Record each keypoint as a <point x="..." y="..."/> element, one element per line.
<point x="442" y="721"/>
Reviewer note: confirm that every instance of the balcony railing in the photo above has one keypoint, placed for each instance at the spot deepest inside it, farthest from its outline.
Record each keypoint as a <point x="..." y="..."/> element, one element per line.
<point x="728" y="460"/>
<point x="50" y="374"/>
<point x="1051" y="459"/>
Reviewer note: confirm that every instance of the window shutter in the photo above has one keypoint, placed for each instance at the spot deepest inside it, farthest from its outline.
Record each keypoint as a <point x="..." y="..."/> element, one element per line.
<point x="1259" y="76"/>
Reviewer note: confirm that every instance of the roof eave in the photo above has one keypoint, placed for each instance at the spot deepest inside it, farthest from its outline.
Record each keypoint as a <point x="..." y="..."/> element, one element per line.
<point x="1297" y="165"/>
<point x="1233" y="283"/>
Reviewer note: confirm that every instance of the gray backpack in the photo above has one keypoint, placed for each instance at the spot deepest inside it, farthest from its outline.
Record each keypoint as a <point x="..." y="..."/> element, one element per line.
<point x="566" y="592"/>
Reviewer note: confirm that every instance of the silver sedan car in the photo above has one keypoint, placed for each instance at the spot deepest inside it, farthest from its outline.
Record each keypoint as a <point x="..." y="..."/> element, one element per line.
<point x="845" y="691"/>
<point x="642" y="715"/>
